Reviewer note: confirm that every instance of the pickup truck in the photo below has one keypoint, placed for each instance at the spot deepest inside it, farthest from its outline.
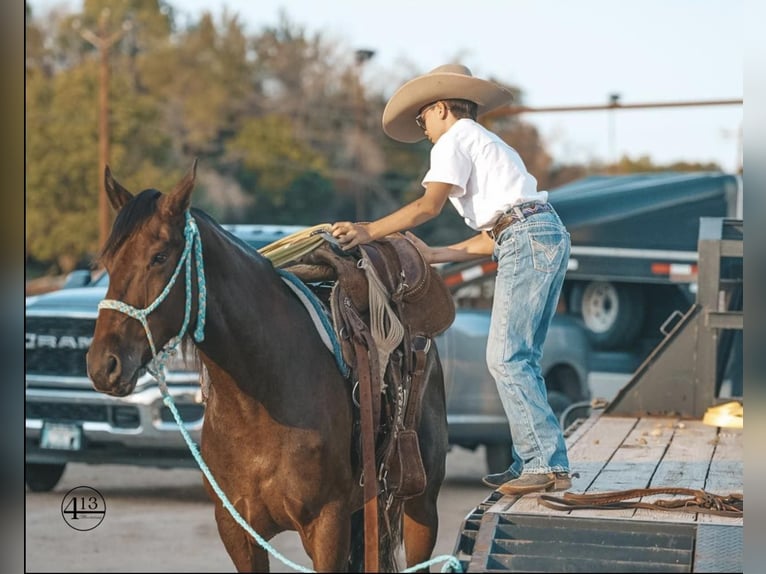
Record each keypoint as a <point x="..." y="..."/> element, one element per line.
<point x="68" y="421"/>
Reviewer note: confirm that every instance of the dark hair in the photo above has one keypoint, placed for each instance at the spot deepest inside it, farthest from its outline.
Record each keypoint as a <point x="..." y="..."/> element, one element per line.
<point x="463" y="108"/>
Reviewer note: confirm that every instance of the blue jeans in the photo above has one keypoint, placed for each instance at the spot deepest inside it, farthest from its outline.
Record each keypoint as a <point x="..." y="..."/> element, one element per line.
<point x="532" y="257"/>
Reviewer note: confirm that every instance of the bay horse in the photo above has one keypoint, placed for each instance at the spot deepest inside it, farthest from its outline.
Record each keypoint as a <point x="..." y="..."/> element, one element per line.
<point x="278" y="427"/>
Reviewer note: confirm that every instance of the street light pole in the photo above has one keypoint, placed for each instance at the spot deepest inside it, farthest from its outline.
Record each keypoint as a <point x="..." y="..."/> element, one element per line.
<point x="103" y="41"/>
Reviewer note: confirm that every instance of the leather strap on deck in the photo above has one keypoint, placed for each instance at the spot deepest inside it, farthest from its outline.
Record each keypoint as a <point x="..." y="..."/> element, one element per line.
<point x="696" y="500"/>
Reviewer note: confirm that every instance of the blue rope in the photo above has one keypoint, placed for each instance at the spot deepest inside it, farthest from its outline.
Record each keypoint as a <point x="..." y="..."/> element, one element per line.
<point x="168" y="400"/>
<point x="192" y="241"/>
<point x="452" y="564"/>
<point x="159" y="359"/>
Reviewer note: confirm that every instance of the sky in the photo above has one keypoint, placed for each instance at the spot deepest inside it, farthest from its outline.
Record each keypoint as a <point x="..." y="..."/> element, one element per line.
<point x="559" y="53"/>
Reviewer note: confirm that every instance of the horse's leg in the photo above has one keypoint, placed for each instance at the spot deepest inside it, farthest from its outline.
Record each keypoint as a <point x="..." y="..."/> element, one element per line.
<point x="247" y="555"/>
<point x="327" y="538"/>
<point x="421" y="524"/>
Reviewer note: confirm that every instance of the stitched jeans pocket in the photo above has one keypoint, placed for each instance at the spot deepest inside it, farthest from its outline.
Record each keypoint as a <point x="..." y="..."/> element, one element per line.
<point x="547" y="250"/>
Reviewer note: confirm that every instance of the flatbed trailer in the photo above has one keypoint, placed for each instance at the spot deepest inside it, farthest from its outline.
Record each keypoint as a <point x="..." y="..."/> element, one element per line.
<point x="654" y="434"/>
<point x="611" y="453"/>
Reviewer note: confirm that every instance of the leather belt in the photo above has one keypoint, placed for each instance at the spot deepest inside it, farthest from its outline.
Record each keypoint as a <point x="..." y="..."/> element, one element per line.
<point x="517" y="213"/>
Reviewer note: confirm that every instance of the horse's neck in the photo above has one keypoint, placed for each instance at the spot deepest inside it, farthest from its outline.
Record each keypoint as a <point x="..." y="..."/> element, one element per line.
<point x="240" y="284"/>
<point x="248" y="307"/>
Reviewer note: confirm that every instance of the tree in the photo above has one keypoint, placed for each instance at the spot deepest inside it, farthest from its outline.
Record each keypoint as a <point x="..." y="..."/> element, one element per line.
<point x="269" y="149"/>
<point x="62" y="182"/>
<point x="645" y="164"/>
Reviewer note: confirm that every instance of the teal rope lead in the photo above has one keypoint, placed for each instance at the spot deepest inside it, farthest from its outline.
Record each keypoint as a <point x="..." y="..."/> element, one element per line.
<point x="193" y="250"/>
<point x="192" y="241"/>
<point x="168" y="400"/>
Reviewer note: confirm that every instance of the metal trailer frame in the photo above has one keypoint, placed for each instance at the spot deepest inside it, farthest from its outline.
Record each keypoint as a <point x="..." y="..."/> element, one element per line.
<point x="682" y="375"/>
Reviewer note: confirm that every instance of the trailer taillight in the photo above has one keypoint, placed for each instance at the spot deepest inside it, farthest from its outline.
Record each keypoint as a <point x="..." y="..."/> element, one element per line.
<point x="677" y="271"/>
<point x="470" y="273"/>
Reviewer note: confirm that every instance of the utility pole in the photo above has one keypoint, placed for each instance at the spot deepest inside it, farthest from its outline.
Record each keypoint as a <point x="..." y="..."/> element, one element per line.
<point x="103" y="41"/>
<point x="614" y="101"/>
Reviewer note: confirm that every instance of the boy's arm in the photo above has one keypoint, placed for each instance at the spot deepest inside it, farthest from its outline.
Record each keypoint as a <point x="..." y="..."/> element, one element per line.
<point x="426" y="207"/>
<point x="476" y="247"/>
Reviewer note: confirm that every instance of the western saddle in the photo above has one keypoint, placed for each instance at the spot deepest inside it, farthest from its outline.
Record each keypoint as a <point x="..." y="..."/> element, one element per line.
<point x="387" y="303"/>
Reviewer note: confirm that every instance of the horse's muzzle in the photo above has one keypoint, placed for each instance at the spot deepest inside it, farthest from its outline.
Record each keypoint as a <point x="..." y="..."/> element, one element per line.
<point x="110" y="375"/>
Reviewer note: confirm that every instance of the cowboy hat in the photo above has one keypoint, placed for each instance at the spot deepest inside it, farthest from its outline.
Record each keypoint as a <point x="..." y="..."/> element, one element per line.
<point x="452" y="81"/>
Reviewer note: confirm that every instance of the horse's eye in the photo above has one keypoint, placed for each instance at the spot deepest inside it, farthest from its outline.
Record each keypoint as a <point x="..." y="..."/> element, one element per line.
<point x="159" y="258"/>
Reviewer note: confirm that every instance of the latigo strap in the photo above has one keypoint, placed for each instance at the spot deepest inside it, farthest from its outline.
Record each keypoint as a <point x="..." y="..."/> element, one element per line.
<point x="696" y="500"/>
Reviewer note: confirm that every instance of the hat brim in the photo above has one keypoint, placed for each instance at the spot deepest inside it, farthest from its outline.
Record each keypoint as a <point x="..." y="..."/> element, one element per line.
<point x="400" y="111"/>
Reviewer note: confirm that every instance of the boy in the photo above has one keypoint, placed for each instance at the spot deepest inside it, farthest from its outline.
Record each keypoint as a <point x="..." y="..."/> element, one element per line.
<point x="488" y="184"/>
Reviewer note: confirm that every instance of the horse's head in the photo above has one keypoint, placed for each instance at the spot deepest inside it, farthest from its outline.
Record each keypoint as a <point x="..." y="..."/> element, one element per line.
<point x="141" y="255"/>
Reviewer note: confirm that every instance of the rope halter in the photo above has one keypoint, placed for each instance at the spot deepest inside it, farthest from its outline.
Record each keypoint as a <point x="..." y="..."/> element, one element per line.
<point x="191" y="241"/>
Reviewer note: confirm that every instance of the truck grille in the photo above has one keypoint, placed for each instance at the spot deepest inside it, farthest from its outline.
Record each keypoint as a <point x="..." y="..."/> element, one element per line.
<point x="57" y="345"/>
<point x="67" y="412"/>
<point x="125" y="417"/>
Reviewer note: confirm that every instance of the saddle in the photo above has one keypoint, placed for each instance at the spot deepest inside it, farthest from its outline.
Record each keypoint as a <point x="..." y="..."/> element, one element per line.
<point x="387" y="304"/>
<point x="424" y="302"/>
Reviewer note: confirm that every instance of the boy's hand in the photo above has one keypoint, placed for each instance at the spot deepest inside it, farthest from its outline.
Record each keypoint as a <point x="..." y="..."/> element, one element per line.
<point x="349" y="235"/>
<point x="426" y="251"/>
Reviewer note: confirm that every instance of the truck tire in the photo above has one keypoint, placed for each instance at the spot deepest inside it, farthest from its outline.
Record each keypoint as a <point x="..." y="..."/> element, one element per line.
<point x="613" y="313"/>
<point x="559" y="402"/>
<point x="42" y="477"/>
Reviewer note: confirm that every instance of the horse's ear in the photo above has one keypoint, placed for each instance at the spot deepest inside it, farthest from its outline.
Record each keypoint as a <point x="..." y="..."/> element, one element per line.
<point x="179" y="199"/>
<point x="118" y="195"/>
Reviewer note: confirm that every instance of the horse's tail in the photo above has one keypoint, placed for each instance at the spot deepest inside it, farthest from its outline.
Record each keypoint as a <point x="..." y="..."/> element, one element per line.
<point x="356" y="556"/>
<point x="390" y="536"/>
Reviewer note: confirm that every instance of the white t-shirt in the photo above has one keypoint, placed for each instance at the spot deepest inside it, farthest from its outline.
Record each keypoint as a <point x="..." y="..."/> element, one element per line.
<point x="489" y="175"/>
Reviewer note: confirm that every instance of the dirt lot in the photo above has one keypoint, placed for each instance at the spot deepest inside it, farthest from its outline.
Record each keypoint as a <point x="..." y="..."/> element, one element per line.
<point x="162" y="521"/>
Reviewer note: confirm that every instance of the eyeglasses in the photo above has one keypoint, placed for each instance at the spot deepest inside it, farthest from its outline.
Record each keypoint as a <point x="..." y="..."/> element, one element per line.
<point x="420" y="120"/>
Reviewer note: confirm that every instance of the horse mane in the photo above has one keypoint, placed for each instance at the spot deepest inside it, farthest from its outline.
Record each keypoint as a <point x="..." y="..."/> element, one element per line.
<point x="139" y="210"/>
<point x="136" y="212"/>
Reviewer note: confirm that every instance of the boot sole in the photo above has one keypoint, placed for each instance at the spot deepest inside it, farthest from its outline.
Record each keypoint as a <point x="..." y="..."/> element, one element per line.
<point x="553" y="486"/>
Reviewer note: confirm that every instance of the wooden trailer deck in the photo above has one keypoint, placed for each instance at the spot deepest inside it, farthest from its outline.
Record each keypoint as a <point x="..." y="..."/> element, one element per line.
<point x="610" y="453"/>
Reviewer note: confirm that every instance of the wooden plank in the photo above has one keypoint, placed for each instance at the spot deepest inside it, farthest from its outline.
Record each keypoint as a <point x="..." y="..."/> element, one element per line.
<point x="684" y="465"/>
<point x="583" y="429"/>
<point x="587" y="456"/>
<point x="726" y="471"/>
<point x="633" y="464"/>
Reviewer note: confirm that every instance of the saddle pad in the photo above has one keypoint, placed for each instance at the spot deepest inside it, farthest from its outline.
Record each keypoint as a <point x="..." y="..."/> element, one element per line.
<point x="319" y="315"/>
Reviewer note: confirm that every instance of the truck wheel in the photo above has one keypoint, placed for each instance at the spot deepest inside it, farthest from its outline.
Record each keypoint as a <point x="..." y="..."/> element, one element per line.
<point x="42" y="477"/>
<point x="559" y="402"/>
<point x="613" y="313"/>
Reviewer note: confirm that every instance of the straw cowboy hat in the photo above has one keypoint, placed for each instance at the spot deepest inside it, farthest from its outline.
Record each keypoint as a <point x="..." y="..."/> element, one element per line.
<point x="451" y="81"/>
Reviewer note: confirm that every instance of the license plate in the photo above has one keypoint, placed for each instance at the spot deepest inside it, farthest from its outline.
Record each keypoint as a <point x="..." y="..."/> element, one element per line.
<point x="61" y="436"/>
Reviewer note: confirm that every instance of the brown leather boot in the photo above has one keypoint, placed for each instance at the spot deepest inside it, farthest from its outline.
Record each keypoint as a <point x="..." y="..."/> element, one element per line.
<point x="526" y="483"/>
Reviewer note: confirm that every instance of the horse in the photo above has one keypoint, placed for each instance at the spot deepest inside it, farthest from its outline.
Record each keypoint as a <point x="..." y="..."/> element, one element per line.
<point x="278" y="431"/>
